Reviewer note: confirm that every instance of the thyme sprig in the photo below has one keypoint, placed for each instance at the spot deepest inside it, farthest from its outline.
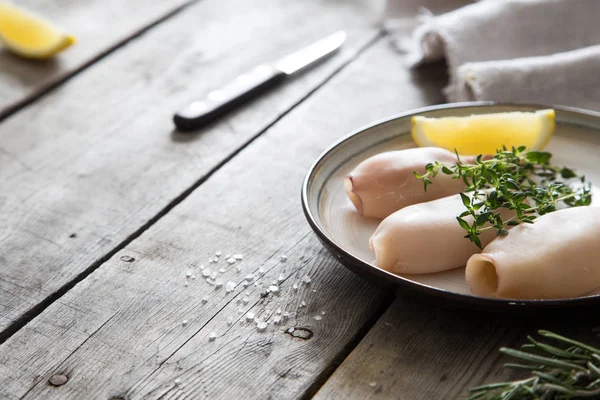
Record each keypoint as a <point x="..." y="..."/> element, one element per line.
<point x="565" y="370"/>
<point x="518" y="179"/>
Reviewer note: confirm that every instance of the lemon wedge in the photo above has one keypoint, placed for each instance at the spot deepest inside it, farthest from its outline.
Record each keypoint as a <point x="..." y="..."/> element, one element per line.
<point x="29" y="35"/>
<point x="485" y="133"/>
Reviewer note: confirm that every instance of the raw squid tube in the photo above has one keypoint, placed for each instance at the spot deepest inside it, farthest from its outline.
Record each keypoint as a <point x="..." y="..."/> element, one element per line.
<point x="425" y="238"/>
<point x="558" y="256"/>
<point x="385" y="183"/>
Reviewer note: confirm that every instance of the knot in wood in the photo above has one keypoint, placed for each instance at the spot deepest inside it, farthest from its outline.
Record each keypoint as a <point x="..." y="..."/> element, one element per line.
<point x="127" y="259"/>
<point x="300" y="333"/>
<point x="58" y="380"/>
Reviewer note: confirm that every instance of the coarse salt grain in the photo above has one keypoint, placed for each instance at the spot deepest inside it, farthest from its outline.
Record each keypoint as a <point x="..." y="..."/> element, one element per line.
<point x="249" y="277"/>
<point x="261" y="326"/>
<point x="245" y="300"/>
<point x="218" y="283"/>
<point x="206" y="272"/>
<point x="201" y="266"/>
<point x="291" y="330"/>
<point x="318" y="317"/>
<point x="281" y="278"/>
<point x="186" y="284"/>
<point x="188" y="274"/>
<point x="212" y="336"/>
<point x="274" y="288"/>
<point x="229" y="321"/>
<point x="303" y="304"/>
<point x="231" y="260"/>
<point x="283" y="258"/>
<point x="238" y="256"/>
<point x="184" y="322"/>
<point x="250" y="316"/>
<point x="314" y="290"/>
<point x="245" y="283"/>
<point x="261" y="270"/>
<point x="221" y="270"/>
<point x="214" y="275"/>
<point x="323" y="312"/>
<point x="218" y="253"/>
<point x="276" y="320"/>
<point x="177" y="381"/>
<point x="193" y="276"/>
<point x="306" y="279"/>
<point x="205" y="299"/>
<point x="278" y="311"/>
<point x="373" y="384"/>
<point x="295" y="286"/>
<point x="230" y="286"/>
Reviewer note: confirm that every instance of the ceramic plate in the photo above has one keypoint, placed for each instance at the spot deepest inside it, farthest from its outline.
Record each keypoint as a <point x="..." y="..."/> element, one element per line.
<point x="576" y="143"/>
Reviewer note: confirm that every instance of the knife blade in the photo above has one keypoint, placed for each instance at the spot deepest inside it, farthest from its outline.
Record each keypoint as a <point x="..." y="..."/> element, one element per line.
<point x="220" y="101"/>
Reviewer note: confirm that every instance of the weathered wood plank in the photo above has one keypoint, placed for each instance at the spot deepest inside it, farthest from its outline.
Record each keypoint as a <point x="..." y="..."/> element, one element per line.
<point x="99" y="27"/>
<point x="120" y="332"/>
<point x="85" y="168"/>
<point x="421" y="351"/>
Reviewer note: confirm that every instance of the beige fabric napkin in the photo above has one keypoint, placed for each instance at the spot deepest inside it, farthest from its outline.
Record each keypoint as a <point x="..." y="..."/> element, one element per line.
<point x="542" y="51"/>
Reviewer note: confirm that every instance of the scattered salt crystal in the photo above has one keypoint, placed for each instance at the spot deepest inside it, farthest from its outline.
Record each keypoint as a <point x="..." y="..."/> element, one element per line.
<point x="188" y="274"/>
<point x="323" y="312"/>
<point x="205" y="300"/>
<point x="218" y="283"/>
<point x="293" y="315"/>
<point x="186" y="284"/>
<point x="240" y="311"/>
<point x="276" y="320"/>
<point x="278" y="311"/>
<point x="291" y="330"/>
<point x="221" y="270"/>
<point x="261" y="326"/>
<point x="261" y="270"/>
<point x="218" y="253"/>
<point x="212" y="336"/>
<point x="214" y="275"/>
<point x="184" y="322"/>
<point x="245" y="283"/>
<point x="295" y="286"/>
<point x="250" y="316"/>
<point x="314" y="290"/>
<point x="228" y="256"/>
<point x="249" y="277"/>
<point x="245" y="300"/>
<point x="238" y="256"/>
<point x="230" y="286"/>
<point x="256" y="283"/>
<point x="206" y="272"/>
<point x="275" y="282"/>
<point x="229" y="321"/>
<point x="216" y="259"/>
<point x="274" y="288"/>
<point x="238" y="269"/>
<point x="373" y="384"/>
<point x="201" y="266"/>
<point x="193" y="276"/>
<point x="303" y="304"/>
<point x="247" y="293"/>
<point x="281" y="278"/>
<point x="177" y="381"/>
<point x="267" y="311"/>
<point x="318" y="317"/>
<point x="283" y="258"/>
<point x="231" y="260"/>
<point x="306" y="279"/>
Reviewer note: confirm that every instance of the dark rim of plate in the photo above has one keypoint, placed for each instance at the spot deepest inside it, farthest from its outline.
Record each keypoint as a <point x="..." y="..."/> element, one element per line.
<point x="365" y="269"/>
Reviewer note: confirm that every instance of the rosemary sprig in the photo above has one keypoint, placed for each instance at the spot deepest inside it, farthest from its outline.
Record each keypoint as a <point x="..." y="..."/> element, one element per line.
<point x="565" y="370"/>
<point x="517" y="179"/>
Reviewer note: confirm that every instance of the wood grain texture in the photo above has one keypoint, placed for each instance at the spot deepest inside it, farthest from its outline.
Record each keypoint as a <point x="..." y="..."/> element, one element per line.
<point x="120" y="332"/>
<point x="419" y="350"/>
<point x="87" y="167"/>
<point x="99" y="27"/>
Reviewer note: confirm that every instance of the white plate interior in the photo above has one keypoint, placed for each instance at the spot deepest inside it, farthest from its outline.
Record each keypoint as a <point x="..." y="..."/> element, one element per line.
<point x="575" y="143"/>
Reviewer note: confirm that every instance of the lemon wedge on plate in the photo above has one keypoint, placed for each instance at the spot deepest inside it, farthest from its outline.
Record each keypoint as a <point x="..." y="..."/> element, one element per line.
<point x="29" y="35"/>
<point x="485" y="133"/>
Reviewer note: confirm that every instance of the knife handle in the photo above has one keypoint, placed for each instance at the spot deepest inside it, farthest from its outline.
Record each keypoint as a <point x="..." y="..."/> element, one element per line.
<point x="220" y="101"/>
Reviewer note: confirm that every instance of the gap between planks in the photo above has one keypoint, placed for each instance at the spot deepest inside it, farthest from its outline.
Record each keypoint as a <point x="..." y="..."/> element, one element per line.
<point x="41" y="306"/>
<point x="49" y="87"/>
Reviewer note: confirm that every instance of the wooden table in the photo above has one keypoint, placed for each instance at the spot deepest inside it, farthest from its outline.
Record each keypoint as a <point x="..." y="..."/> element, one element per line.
<point x="105" y="210"/>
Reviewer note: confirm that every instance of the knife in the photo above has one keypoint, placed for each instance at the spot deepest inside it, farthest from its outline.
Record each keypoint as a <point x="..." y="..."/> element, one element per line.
<point x="220" y="101"/>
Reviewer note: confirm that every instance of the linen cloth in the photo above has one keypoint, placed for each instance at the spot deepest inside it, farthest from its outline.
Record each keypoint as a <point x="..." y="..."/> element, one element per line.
<point x="537" y="51"/>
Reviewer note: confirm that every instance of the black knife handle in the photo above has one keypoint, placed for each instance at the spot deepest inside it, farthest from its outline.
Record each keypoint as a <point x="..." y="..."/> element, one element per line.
<point x="220" y="101"/>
